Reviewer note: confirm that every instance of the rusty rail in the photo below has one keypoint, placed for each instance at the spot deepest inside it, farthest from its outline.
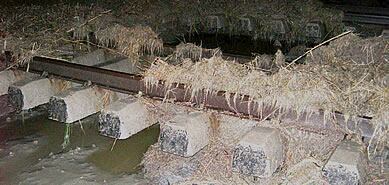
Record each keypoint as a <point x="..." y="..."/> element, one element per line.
<point x="241" y="106"/>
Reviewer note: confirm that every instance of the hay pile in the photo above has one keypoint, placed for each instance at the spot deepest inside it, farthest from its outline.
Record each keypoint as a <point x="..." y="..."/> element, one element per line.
<point x="304" y="143"/>
<point x="336" y="78"/>
<point x="194" y="52"/>
<point x="379" y="144"/>
<point x="43" y="30"/>
<point x="290" y="89"/>
<point x="305" y="172"/>
<point x="356" y="70"/>
<point x="348" y="75"/>
<point x="64" y="31"/>
<point x="60" y="85"/>
<point x="268" y="63"/>
<point x="193" y="75"/>
<point x="132" y="42"/>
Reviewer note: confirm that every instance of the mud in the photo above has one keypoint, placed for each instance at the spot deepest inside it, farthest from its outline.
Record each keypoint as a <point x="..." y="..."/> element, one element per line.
<point x="31" y="153"/>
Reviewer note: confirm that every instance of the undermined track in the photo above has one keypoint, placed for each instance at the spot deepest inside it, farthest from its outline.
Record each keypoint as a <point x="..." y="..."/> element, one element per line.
<point x="238" y="105"/>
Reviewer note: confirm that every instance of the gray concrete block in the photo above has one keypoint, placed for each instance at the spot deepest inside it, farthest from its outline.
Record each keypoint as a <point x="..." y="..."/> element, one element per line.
<point x="314" y="30"/>
<point x="178" y="174"/>
<point x="30" y="92"/>
<point x="5" y="108"/>
<point x="259" y="153"/>
<point x="185" y="134"/>
<point x="8" y="77"/>
<point x="346" y="165"/>
<point x="15" y="98"/>
<point x="385" y="34"/>
<point x="189" y="21"/>
<point x="123" y="118"/>
<point x="279" y="26"/>
<point x="75" y="104"/>
<point x="214" y="23"/>
<point x="245" y="25"/>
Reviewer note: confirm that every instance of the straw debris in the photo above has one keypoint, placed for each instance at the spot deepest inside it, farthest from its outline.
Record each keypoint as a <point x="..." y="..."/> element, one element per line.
<point x="211" y="164"/>
<point x="42" y="30"/>
<point x="132" y="42"/>
<point x="290" y="89"/>
<point x="60" y="85"/>
<point x="348" y="76"/>
<point x="339" y="77"/>
<point x="194" y="52"/>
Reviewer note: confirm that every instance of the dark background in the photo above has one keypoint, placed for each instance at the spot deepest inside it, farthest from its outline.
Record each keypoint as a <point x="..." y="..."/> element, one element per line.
<point x="373" y="3"/>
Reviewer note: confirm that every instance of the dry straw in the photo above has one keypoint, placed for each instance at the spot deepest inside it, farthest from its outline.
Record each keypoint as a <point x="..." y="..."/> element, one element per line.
<point x="346" y="76"/>
<point x="132" y="42"/>
<point x="193" y="52"/>
<point x="338" y="77"/>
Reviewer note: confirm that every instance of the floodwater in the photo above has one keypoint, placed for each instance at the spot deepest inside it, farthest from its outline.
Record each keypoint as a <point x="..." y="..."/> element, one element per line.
<point x="33" y="153"/>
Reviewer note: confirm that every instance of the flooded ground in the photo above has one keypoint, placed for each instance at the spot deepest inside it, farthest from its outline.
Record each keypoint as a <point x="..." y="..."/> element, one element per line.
<point x="33" y="154"/>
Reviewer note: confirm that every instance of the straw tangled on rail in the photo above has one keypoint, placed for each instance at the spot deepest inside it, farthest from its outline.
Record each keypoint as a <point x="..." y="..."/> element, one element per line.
<point x="329" y="81"/>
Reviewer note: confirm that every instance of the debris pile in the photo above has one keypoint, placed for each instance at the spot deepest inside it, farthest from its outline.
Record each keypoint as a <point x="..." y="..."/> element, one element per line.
<point x="327" y="81"/>
<point x="345" y="76"/>
<point x="42" y="30"/>
<point x="211" y="164"/>
<point x="132" y="42"/>
<point x="194" y="52"/>
<point x="59" y="29"/>
<point x="350" y="75"/>
<point x="261" y="19"/>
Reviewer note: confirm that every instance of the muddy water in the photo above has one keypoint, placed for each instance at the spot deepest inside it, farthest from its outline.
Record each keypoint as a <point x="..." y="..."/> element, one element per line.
<point x="35" y="145"/>
<point x="125" y="155"/>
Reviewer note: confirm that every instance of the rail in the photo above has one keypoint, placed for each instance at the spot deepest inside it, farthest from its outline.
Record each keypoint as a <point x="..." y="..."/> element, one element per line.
<point x="240" y="105"/>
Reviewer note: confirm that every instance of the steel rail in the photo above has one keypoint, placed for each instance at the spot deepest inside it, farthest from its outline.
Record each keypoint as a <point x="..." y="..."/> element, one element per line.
<point x="239" y="105"/>
<point x="363" y="14"/>
<point x="362" y="9"/>
<point x="367" y="19"/>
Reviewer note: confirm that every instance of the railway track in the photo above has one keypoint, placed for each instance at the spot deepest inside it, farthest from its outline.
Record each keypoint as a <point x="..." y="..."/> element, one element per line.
<point x="362" y="9"/>
<point x="241" y="106"/>
<point x="367" y="19"/>
<point x="364" y="15"/>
